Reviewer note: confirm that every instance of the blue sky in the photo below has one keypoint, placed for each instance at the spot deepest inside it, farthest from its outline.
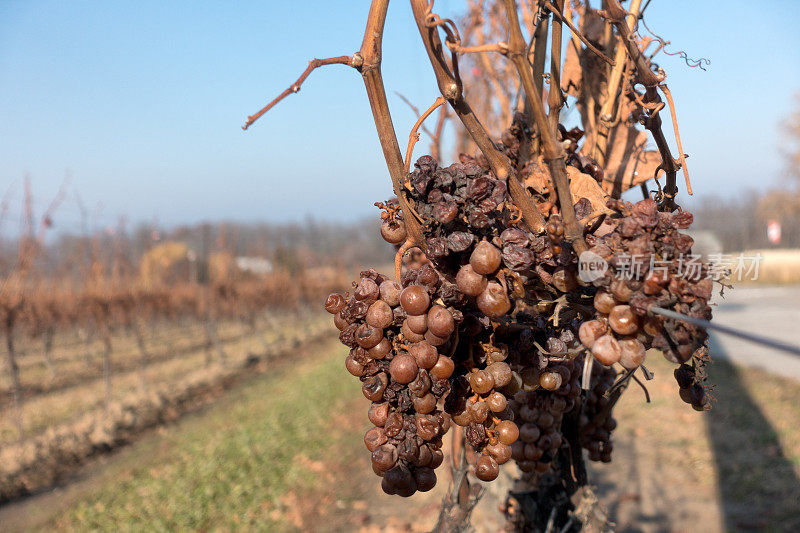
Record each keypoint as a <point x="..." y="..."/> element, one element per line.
<point x="141" y="104"/>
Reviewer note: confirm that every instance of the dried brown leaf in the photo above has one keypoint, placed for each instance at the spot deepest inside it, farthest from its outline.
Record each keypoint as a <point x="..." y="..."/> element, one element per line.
<point x="584" y="186"/>
<point x="537" y="176"/>
<point x="585" y="74"/>
<point x="628" y="164"/>
<point x="592" y="25"/>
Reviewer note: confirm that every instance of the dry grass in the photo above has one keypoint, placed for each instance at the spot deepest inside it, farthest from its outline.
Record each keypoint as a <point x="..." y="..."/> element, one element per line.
<point x="777" y="267"/>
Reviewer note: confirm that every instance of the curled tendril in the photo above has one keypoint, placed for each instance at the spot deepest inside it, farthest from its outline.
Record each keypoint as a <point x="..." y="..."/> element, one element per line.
<point x="433" y="20"/>
<point x="657" y="195"/>
<point x="652" y="107"/>
<point x="452" y="37"/>
<point x="662" y="45"/>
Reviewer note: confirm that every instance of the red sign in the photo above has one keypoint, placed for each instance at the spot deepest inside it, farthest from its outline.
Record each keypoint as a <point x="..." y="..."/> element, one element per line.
<point x="774" y="231"/>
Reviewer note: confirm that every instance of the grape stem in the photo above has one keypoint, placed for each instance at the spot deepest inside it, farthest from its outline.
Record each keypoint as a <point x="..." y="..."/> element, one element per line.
<point x="586" y="376"/>
<point x="456" y="447"/>
<point x="413" y="137"/>
<point x="436" y="134"/>
<point x="646" y="393"/>
<point x="613" y="395"/>
<point x="456" y="340"/>
<point x="398" y="257"/>
<point x="551" y="520"/>
<point x="674" y="117"/>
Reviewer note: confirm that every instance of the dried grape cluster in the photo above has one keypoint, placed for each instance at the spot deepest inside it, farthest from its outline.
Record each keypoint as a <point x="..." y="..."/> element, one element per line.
<point x="398" y="338"/>
<point x="540" y="413"/>
<point x="596" y="422"/>
<point x="492" y="329"/>
<point x="508" y="281"/>
<point x="650" y="265"/>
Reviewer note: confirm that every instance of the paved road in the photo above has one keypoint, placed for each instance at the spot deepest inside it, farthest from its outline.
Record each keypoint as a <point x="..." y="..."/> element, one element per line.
<point x="769" y="311"/>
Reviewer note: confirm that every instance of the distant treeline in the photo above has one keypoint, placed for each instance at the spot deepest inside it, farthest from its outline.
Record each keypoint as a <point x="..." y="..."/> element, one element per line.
<point x="740" y="223"/>
<point x="288" y="246"/>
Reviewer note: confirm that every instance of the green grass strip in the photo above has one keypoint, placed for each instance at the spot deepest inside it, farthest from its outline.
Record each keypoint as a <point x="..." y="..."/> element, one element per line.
<point x="228" y="468"/>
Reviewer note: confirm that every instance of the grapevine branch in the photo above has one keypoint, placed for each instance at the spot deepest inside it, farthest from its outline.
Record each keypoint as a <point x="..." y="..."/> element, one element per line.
<point x="450" y="87"/>
<point x="462" y="497"/>
<point x="554" y="97"/>
<point x="611" y="94"/>
<point x="669" y="165"/>
<point x="539" y="54"/>
<point x="295" y="87"/>
<point x="500" y="48"/>
<point x="618" y="17"/>
<point x="373" y="82"/>
<point x="368" y="62"/>
<point x="517" y="51"/>
<point x="553" y="152"/>
<point x="575" y="31"/>
<point x="651" y="80"/>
